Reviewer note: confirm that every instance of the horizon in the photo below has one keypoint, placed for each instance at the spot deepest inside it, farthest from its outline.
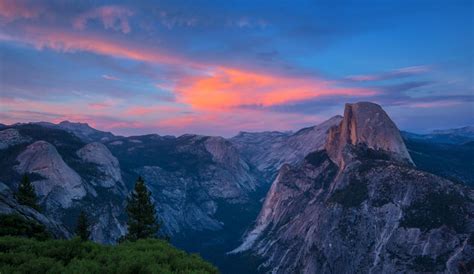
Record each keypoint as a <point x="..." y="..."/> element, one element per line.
<point x="430" y="131"/>
<point x="215" y="68"/>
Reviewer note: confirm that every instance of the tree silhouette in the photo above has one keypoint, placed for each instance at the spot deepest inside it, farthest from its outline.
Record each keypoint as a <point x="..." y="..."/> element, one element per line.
<point x="26" y="193"/>
<point x="83" y="227"/>
<point x="141" y="213"/>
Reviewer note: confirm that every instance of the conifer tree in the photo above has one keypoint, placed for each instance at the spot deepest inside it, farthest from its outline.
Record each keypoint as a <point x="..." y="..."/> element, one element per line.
<point x="26" y="193"/>
<point x="141" y="213"/>
<point x="83" y="227"/>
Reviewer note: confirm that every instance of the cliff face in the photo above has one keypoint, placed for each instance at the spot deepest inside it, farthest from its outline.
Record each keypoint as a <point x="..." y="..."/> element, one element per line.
<point x="98" y="154"/>
<point x="367" y="124"/>
<point x="361" y="206"/>
<point x="61" y="184"/>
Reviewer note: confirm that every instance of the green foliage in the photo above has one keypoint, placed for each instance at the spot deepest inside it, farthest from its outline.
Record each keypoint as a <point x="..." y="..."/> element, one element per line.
<point x="83" y="226"/>
<point x="19" y="255"/>
<point x="352" y="195"/>
<point x="16" y="225"/>
<point x="141" y="213"/>
<point x="26" y="193"/>
<point x="435" y="210"/>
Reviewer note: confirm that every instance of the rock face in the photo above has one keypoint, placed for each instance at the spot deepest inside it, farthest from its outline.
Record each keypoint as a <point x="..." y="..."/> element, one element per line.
<point x="363" y="207"/>
<point x="9" y="205"/>
<point x="368" y="124"/>
<point x="68" y="176"/>
<point x="268" y="151"/>
<point x="60" y="184"/>
<point x="97" y="153"/>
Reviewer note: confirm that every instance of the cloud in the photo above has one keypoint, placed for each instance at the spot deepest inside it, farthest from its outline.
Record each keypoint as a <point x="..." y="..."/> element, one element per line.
<point x="67" y="41"/>
<point x="11" y="10"/>
<point x="109" y="77"/>
<point x="402" y="87"/>
<point x="112" y="17"/>
<point x="394" y="74"/>
<point x="224" y="88"/>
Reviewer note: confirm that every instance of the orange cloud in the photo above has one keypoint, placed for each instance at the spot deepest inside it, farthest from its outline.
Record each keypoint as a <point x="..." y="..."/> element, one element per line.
<point x="226" y="88"/>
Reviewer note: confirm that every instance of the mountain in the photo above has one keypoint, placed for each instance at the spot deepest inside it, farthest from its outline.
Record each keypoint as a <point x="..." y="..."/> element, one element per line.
<point x="268" y="151"/>
<point x="205" y="190"/>
<point x="198" y="182"/>
<point x="452" y="161"/>
<point x="190" y="177"/>
<point x="82" y="130"/>
<point x="69" y="176"/>
<point x="445" y="136"/>
<point x="209" y="190"/>
<point x="361" y="205"/>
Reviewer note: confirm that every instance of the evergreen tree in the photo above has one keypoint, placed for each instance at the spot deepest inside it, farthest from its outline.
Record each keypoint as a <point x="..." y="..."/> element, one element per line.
<point x="26" y="193"/>
<point x="83" y="227"/>
<point x="141" y="213"/>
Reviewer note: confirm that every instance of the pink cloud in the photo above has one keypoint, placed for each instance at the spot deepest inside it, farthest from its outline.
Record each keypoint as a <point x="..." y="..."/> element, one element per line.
<point x="68" y="41"/>
<point x="112" y="17"/>
<point x="11" y="10"/>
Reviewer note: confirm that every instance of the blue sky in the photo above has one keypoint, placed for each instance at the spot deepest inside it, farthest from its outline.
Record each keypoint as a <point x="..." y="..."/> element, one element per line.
<point x="219" y="67"/>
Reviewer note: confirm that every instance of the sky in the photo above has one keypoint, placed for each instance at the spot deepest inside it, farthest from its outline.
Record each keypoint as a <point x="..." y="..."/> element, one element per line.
<point x="220" y="67"/>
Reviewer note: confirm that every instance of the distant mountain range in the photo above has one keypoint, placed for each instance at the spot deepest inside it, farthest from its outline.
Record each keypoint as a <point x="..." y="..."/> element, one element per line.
<point x="357" y="171"/>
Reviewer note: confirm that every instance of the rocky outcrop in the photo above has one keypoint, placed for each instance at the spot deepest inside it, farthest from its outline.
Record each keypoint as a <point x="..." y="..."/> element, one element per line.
<point x="60" y="183"/>
<point x="363" y="208"/>
<point x="10" y="137"/>
<point x="368" y="124"/>
<point x="268" y="151"/>
<point x="9" y="205"/>
<point x="99" y="154"/>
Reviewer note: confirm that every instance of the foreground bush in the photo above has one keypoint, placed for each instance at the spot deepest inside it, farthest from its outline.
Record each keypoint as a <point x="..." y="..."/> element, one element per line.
<point x="22" y="255"/>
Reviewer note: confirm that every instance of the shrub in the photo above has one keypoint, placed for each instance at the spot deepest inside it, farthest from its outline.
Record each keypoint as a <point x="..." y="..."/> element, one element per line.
<point x="16" y="225"/>
<point x="352" y="195"/>
<point x="75" y="256"/>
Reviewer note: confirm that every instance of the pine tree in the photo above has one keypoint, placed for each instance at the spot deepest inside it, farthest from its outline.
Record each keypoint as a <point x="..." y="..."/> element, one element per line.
<point x="83" y="227"/>
<point x="141" y="213"/>
<point x="26" y="193"/>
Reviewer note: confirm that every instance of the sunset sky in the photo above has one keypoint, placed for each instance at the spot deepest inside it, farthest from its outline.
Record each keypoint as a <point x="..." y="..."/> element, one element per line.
<point x="220" y="67"/>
